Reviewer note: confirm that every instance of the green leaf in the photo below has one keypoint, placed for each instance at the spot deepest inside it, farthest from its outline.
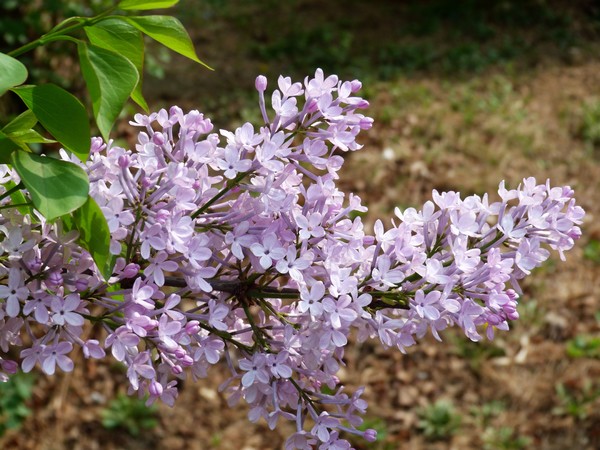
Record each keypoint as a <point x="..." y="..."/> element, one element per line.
<point x="124" y="39"/>
<point x="7" y="147"/>
<point x="56" y="187"/>
<point x="110" y="79"/>
<point x="61" y="114"/>
<point x="24" y="121"/>
<point x="168" y="31"/>
<point x="18" y="198"/>
<point x="94" y="234"/>
<point x="29" y="137"/>
<point x="17" y="134"/>
<point x="12" y="73"/>
<point x="138" y="5"/>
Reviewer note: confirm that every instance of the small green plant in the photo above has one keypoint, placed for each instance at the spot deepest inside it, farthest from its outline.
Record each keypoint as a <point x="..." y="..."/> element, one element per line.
<point x="590" y="127"/>
<point x="504" y="438"/>
<point x="487" y="412"/>
<point x="576" y="402"/>
<point x="592" y="249"/>
<point x="583" y="346"/>
<point x="439" y="421"/>
<point x="130" y="414"/>
<point x="13" y="401"/>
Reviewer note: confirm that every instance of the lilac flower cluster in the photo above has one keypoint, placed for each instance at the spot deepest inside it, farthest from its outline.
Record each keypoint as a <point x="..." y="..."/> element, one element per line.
<point x="240" y="248"/>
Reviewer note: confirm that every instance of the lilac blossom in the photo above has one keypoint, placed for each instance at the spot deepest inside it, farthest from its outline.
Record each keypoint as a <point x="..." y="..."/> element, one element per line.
<point x="239" y="246"/>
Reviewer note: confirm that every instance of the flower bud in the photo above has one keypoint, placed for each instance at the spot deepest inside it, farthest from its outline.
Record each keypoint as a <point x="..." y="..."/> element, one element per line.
<point x="155" y="388"/>
<point x="81" y="284"/>
<point x="192" y="327"/>
<point x="370" y="435"/>
<point x="355" y="86"/>
<point x="158" y="138"/>
<point x="130" y="270"/>
<point x="123" y="161"/>
<point x="261" y="83"/>
<point x="54" y="279"/>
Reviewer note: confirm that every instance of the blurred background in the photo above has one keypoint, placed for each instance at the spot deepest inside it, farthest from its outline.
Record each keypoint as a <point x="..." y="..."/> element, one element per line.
<point x="464" y="94"/>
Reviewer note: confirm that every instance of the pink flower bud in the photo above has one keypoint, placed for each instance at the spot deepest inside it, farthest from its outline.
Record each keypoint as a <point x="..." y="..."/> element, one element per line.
<point x="158" y="138"/>
<point x="54" y="279"/>
<point x="155" y="388"/>
<point x="123" y="161"/>
<point x="81" y="284"/>
<point x="186" y="361"/>
<point x="261" y="83"/>
<point x="370" y="435"/>
<point x="365" y="123"/>
<point x="131" y="270"/>
<point x="192" y="327"/>
<point x="355" y="86"/>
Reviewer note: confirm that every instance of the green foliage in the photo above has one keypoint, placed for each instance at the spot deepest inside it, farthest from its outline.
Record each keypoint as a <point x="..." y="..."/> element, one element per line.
<point x="146" y="4"/>
<point x="61" y="114"/>
<point x="56" y="187"/>
<point x="592" y="249"/>
<point x="100" y="69"/>
<point x="590" y="127"/>
<point x="130" y="414"/>
<point x="168" y="31"/>
<point x="126" y="40"/>
<point x="93" y="233"/>
<point x="13" y="398"/>
<point x="577" y="401"/>
<point x="13" y="73"/>
<point x="582" y="346"/>
<point x="504" y="438"/>
<point x="439" y="420"/>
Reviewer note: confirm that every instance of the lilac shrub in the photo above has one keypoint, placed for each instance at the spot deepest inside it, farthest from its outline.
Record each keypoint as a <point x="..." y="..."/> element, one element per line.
<point x="238" y="248"/>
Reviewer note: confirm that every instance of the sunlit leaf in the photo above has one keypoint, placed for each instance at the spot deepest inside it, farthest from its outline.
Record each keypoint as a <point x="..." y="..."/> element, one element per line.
<point x="24" y="121"/>
<point x="56" y="187"/>
<point x="168" y="31"/>
<point x="12" y="73"/>
<point x="61" y="114"/>
<point x="124" y="39"/>
<point x="138" y="5"/>
<point x="110" y="79"/>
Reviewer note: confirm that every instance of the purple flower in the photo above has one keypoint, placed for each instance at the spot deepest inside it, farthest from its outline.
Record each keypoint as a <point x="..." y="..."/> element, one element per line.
<point x="122" y="342"/>
<point x="64" y="310"/>
<point x="142" y="294"/>
<point x="310" y="300"/>
<point x="139" y="367"/>
<point x="14" y="293"/>
<point x="54" y="355"/>
<point x="158" y="265"/>
<point x="425" y="304"/>
<point x="270" y="250"/>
